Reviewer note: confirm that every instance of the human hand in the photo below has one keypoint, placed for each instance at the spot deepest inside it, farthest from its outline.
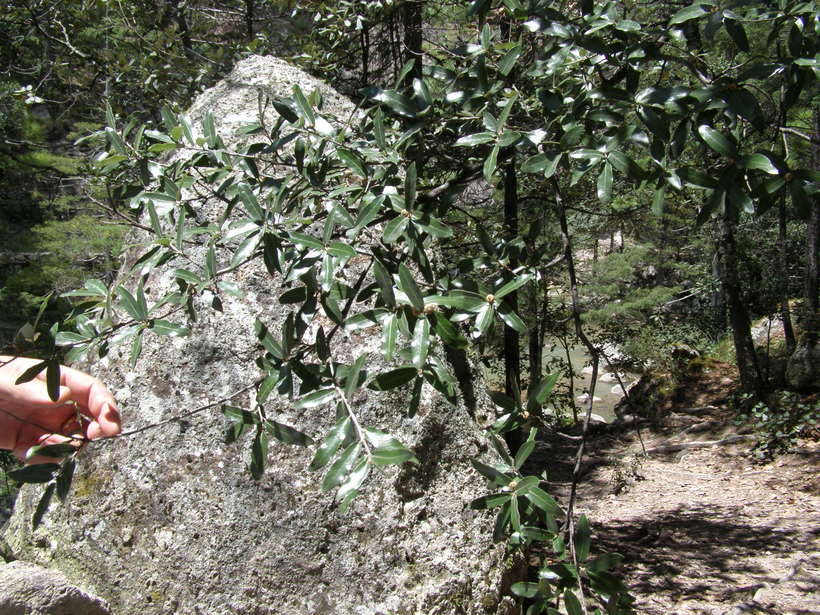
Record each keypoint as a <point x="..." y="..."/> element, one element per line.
<point x="84" y="410"/>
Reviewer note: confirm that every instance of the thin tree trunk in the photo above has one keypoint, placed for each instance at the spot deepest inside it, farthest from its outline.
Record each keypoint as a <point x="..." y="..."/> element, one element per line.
<point x="750" y="378"/>
<point x="535" y="347"/>
<point x="813" y="238"/>
<point x="512" y="352"/>
<point x="413" y="37"/>
<point x="785" y="312"/>
<point x="249" y="10"/>
<point x="718" y="296"/>
<point x="365" y="40"/>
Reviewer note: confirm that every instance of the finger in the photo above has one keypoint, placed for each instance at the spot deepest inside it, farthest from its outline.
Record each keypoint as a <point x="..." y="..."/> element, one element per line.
<point x="95" y="400"/>
<point x="105" y="424"/>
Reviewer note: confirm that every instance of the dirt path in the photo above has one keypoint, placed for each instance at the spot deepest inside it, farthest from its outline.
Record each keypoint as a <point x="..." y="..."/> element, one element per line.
<point x="707" y="530"/>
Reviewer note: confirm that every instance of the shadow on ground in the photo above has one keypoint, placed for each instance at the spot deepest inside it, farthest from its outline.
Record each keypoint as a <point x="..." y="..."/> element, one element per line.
<point x="701" y="552"/>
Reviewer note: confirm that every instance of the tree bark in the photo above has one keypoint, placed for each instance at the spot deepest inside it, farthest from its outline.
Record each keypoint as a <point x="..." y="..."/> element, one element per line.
<point x="249" y="10"/>
<point x="785" y="312"/>
<point x="813" y="238"/>
<point x="412" y="37"/>
<point x="747" y="365"/>
<point x="718" y="296"/>
<point x="512" y="352"/>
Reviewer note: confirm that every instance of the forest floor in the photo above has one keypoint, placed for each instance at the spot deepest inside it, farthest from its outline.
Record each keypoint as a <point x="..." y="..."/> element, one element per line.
<point x="704" y="530"/>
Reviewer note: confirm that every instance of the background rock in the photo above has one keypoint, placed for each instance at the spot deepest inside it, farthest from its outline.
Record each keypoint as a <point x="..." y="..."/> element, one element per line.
<point x="26" y="589"/>
<point x="169" y="520"/>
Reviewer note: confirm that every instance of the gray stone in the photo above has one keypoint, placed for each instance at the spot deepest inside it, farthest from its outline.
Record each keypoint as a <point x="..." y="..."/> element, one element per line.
<point x="168" y="520"/>
<point x="803" y="368"/>
<point x="27" y="589"/>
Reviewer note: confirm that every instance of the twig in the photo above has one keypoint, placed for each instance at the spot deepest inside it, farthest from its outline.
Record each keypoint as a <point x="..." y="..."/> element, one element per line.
<point x="179" y="417"/>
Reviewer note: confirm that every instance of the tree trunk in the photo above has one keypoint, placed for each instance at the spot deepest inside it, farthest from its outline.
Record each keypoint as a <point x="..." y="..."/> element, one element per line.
<point x="412" y="37"/>
<point x="750" y="378"/>
<point x="535" y="337"/>
<point x="813" y="238"/>
<point x="249" y="10"/>
<point x="785" y="312"/>
<point x="718" y="296"/>
<point x="512" y="352"/>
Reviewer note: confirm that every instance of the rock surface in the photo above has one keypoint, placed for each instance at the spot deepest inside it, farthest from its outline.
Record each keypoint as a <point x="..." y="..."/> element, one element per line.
<point x="27" y="589"/>
<point x="803" y="368"/>
<point x="168" y="520"/>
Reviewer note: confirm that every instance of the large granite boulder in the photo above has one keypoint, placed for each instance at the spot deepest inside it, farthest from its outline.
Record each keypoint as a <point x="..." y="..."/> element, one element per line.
<point x="168" y="520"/>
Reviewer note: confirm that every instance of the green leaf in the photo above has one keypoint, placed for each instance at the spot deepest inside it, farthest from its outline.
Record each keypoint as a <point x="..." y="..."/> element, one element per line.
<point x="37" y="473"/>
<point x="583" y="534"/>
<point x="387" y="450"/>
<point x="286" y="434"/>
<point x="525" y="589"/>
<point x="259" y="454"/>
<point x="717" y="141"/>
<point x="57" y="451"/>
<point x="690" y="12"/>
<point x="490" y="164"/>
<point x="535" y="533"/>
<point x="393" y="379"/>
<point x="350" y="486"/>
<point x="166" y="327"/>
<point x="385" y="282"/>
<point x="420" y="344"/>
<point x="42" y="506"/>
<point x="352" y="377"/>
<point x="490" y="501"/>
<point x="759" y="162"/>
<point x="543" y="500"/>
<point x="341" y="467"/>
<point x="604" y="562"/>
<point x="316" y="398"/>
<point x="64" y="478"/>
<point x="408" y="285"/>
<point x="303" y="107"/>
<point x="447" y="331"/>
<point x="510" y="318"/>
<point x="507" y="63"/>
<point x="515" y="514"/>
<point x="353" y="162"/>
<point x="378" y="128"/>
<point x="738" y="34"/>
<point x="130" y="304"/>
<point x="285" y="111"/>
<point x="477" y="138"/>
<point x="658" y="200"/>
<point x="53" y="379"/>
<point x="572" y="604"/>
<point x="539" y="393"/>
<point x="394" y="229"/>
<point x="209" y="128"/>
<point x="397" y="103"/>
<point x="605" y="183"/>
<point x="513" y="285"/>
<point x="461" y="300"/>
<point x="331" y="443"/>
<point x="496" y="477"/>
<point x="410" y="180"/>
<point x="341" y="250"/>
<point x="136" y="348"/>
<point x="525" y="450"/>
<point x="698" y="178"/>
<point x="484" y="319"/>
